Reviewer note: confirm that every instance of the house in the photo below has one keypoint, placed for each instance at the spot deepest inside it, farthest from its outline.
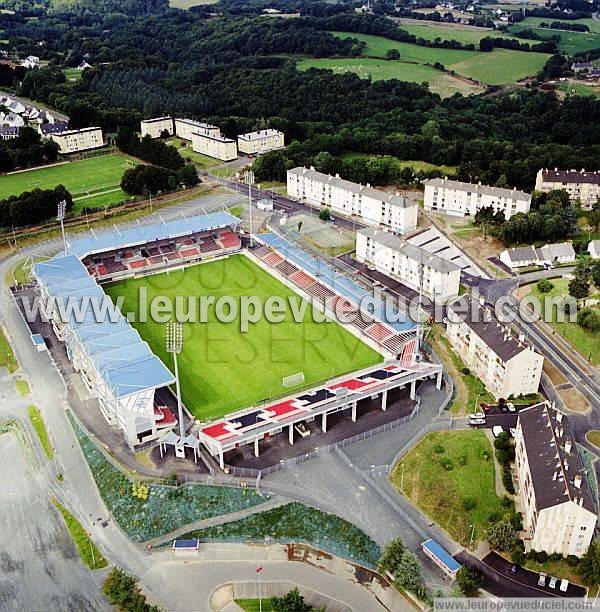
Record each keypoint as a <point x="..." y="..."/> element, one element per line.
<point x="16" y="107"/>
<point x="46" y="129"/>
<point x="6" y="133"/>
<point x="547" y="255"/>
<point x="507" y="365"/>
<point x="466" y="199"/>
<point x="559" y="510"/>
<point x="594" y="249"/>
<point x="369" y="205"/>
<point x="157" y="126"/>
<point x="31" y="61"/>
<point x="83" y="66"/>
<point x="260" y="141"/>
<point x="73" y="141"/>
<point x="214" y="145"/>
<point x="415" y="267"/>
<point x="594" y="73"/>
<point x="578" y="67"/>
<point x="581" y="186"/>
<point x="13" y="120"/>
<point x="184" y="128"/>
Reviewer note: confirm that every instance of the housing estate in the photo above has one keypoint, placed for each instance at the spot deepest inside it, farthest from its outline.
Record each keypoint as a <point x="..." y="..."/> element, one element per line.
<point x="260" y="141"/>
<point x="156" y="127"/>
<point x="72" y="141"/>
<point x="214" y="145"/>
<point x="581" y="186"/>
<point x="185" y="128"/>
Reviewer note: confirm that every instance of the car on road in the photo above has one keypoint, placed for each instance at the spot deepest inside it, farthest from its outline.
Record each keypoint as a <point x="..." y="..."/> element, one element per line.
<point x="514" y="569"/>
<point x="477" y="415"/>
<point x="552" y="583"/>
<point x="474" y="422"/>
<point x="542" y="579"/>
<point x="511" y="407"/>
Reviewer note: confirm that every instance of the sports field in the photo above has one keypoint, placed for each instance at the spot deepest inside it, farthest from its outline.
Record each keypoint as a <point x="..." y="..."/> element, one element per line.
<point x="498" y="67"/>
<point x="92" y="182"/>
<point x="222" y="369"/>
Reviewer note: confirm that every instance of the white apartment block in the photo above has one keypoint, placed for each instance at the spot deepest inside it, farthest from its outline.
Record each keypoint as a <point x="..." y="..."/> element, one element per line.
<point x="465" y="199"/>
<point x="506" y="365"/>
<point x="260" y="141"/>
<point x="216" y="146"/>
<point x="157" y="126"/>
<point x="185" y="128"/>
<point x="559" y="512"/>
<point x="581" y="186"/>
<point x="371" y="206"/>
<point x="72" y="141"/>
<point x="412" y="265"/>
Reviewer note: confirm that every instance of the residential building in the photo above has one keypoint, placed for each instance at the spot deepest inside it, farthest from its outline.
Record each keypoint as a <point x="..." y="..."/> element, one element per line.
<point x="506" y="364"/>
<point x="581" y="186"/>
<point x="412" y="265"/>
<point x="31" y="61"/>
<point x="83" y="66"/>
<point x="214" y="145"/>
<point x="185" y="128"/>
<point x="13" y="120"/>
<point x="578" y="67"/>
<point x="465" y="199"/>
<point x="559" y="512"/>
<point x="594" y="249"/>
<point x="6" y="133"/>
<point x="548" y="255"/>
<point x="72" y="141"/>
<point x="260" y="142"/>
<point x="157" y="126"/>
<point x="371" y="206"/>
<point x="46" y="129"/>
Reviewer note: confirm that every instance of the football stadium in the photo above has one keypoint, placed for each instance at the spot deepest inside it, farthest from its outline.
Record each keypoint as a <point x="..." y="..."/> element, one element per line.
<point x="238" y="386"/>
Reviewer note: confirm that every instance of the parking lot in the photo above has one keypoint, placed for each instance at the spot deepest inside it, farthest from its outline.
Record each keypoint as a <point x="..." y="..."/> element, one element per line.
<point x="501" y="416"/>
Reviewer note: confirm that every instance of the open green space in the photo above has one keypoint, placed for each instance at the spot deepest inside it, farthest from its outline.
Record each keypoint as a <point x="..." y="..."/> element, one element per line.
<point x="585" y="341"/>
<point x="88" y="551"/>
<point x="431" y="31"/>
<point x="570" y="42"/>
<point x="295" y="522"/>
<point x="416" y="165"/>
<point x="7" y="357"/>
<point x="164" y="508"/>
<point x="22" y="386"/>
<point x="72" y="74"/>
<point x="92" y="182"/>
<point x="593" y="437"/>
<point x="222" y="369"/>
<point x="185" y="150"/>
<point x="574" y="88"/>
<point x="498" y="67"/>
<point x="254" y="605"/>
<point x="440" y="82"/>
<point x="449" y="476"/>
<point x="592" y="24"/>
<point x="20" y="273"/>
<point x="35" y="416"/>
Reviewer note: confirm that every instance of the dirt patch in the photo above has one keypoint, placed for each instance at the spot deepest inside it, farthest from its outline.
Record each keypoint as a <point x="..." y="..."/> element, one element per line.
<point x="461" y="393"/>
<point x="553" y="373"/>
<point x="574" y="401"/>
<point x="523" y="291"/>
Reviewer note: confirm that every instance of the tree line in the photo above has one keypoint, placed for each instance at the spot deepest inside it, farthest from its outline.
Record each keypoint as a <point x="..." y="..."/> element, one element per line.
<point x="26" y="150"/>
<point x="31" y="207"/>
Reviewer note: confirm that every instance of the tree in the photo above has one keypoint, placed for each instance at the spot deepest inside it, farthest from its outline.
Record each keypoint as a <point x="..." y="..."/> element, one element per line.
<point x="579" y="287"/>
<point x="408" y="573"/>
<point x="122" y="591"/>
<point x="392" y="54"/>
<point x="595" y="273"/>
<point x="392" y="556"/>
<point x="469" y="581"/>
<point x="290" y="602"/>
<point x="324" y="214"/>
<point x="502" y="536"/>
<point x="544" y="286"/>
<point x="589" y="565"/>
<point x="589" y="319"/>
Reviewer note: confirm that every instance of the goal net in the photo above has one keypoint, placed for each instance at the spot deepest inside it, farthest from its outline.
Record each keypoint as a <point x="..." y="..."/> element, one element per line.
<point x="293" y="380"/>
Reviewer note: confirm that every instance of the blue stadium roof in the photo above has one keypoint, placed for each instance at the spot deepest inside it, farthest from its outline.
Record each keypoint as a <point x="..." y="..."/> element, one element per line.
<point x="336" y="281"/>
<point x="60" y="269"/>
<point x="106" y="240"/>
<point x="448" y="560"/>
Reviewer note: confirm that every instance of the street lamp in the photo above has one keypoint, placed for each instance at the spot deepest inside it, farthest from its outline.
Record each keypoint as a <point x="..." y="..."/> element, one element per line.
<point x="249" y="178"/>
<point x="174" y="345"/>
<point x="472" y="535"/>
<point x="60" y="216"/>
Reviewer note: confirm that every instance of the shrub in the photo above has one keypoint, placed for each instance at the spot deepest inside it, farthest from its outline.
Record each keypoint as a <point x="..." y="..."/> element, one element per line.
<point x="542" y="556"/>
<point x="517" y="521"/>
<point x="502" y="536"/>
<point x="465" y="371"/>
<point x="572" y="560"/>
<point x="439" y="449"/>
<point x="505" y="502"/>
<point x="122" y="591"/>
<point x="391" y="557"/>
<point x="517" y="555"/>
<point x="555" y="557"/>
<point x="469" y="581"/>
<point x="469" y="504"/>
<point x="447" y="464"/>
<point x="544" y="286"/>
<point x="462" y="460"/>
<point x="485" y="455"/>
<point x="324" y="214"/>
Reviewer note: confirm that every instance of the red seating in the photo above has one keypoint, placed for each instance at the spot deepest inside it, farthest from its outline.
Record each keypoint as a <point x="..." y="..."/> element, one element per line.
<point x="166" y="416"/>
<point x="286" y="268"/>
<point x="378" y="332"/>
<point x="208" y="244"/>
<point x="302" y="279"/>
<point x="273" y="259"/>
<point x="230" y="240"/>
<point x="139" y="263"/>
<point x="189" y="252"/>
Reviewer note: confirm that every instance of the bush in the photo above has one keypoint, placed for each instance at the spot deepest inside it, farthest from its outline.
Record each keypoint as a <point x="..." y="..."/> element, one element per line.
<point x="439" y="449"/>
<point x="391" y="557"/>
<point x="507" y="481"/>
<point x="505" y="502"/>
<point x="544" y="286"/>
<point x="485" y="455"/>
<point x="291" y="601"/>
<point x="469" y="504"/>
<point x="469" y="581"/>
<point x="462" y="460"/>
<point x="465" y="371"/>
<point x="447" y="464"/>
<point x="502" y="536"/>
<point x="517" y="521"/>
<point x="517" y="555"/>
<point x="572" y="561"/>
<point x="122" y="591"/>
<point x="324" y="214"/>
<point x="542" y="556"/>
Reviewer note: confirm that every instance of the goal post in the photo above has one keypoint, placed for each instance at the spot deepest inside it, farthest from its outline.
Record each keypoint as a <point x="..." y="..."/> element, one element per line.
<point x="293" y="380"/>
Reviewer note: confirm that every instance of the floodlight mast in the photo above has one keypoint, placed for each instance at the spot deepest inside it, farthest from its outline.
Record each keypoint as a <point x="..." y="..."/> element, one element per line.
<point x="175" y="345"/>
<point x="60" y="216"/>
<point x="249" y="178"/>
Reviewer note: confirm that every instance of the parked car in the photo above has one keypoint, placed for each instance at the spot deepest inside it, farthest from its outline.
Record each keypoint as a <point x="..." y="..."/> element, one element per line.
<point x="474" y="422"/>
<point x="511" y="407"/>
<point x="564" y="585"/>
<point x="514" y="569"/>
<point x="497" y="430"/>
<point x="542" y="579"/>
<point x="485" y="407"/>
<point x="477" y="415"/>
<point x="552" y="583"/>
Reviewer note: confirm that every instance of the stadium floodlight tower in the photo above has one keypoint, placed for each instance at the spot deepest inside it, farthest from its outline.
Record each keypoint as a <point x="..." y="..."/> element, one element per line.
<point x="249" y="178"/>
<point x="175" y="345"/>
<point x="60" y="216"/>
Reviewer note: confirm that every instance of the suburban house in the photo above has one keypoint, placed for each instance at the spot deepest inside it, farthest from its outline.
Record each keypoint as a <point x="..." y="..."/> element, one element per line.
<point x="184" y="128"/>
<point x="413" y="266"/>
<point x="260" y="141"/>
<point x="466" y="199"/>
<point x="157" y="126"/>
<point x="214" y="145"/>
<point x="506" y="364"/>
<point x="13" y="120"/>
<point x="578" y="67"/>
<point x="547" y="255"/>
<point x="6" y="133"/>
<point x="371" y="206"/>
<point x="72" y="141"/>
<point x="559" y="512"/>
<point x="579" y="184"/>
<point x="46" y="129"/>
<point x="594" y="249"/>
<point x="83" y="66"/>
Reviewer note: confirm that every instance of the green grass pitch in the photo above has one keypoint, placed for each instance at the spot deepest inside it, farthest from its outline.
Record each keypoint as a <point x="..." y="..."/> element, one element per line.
<point x="86" y="180"/>
<point x="222" y="369"/>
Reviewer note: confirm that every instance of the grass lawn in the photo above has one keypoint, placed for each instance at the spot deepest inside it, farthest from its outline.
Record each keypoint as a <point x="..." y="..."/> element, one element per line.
<point x="22" y="386"/>
<point x="416" y="165"/>
<point x="20" y="273"/>
<point x="88" y="551"/>
<point x="593" y="437"/>
<point x="185" y="149"/>
<point x="86" y="180"/>
<point x="222" y="369"/>
<point x="379" y="69"/>
<point x="7" y="357"/>
<point x="40" y="428"/>
<point x="431" y="31"/>
<point x="579" y="89"/>
<point x="253" y="605"/>
<point x="570" y="42"/>
<point x="586" y="342"/>
<point x="440" y="493"/>
<point x="72" y="74"/>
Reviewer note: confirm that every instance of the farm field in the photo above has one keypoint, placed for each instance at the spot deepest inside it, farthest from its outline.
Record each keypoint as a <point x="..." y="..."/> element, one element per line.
<point x="431" y="31"/>
<point x="92" y="182"/>
<point x="379" y="69"/>
<point x="579" y="89"/>
<point x="498" y="67"/>
<point x="570" y="42"/>
<point x="447" y="472"/>
<point x="223" y="369"/>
